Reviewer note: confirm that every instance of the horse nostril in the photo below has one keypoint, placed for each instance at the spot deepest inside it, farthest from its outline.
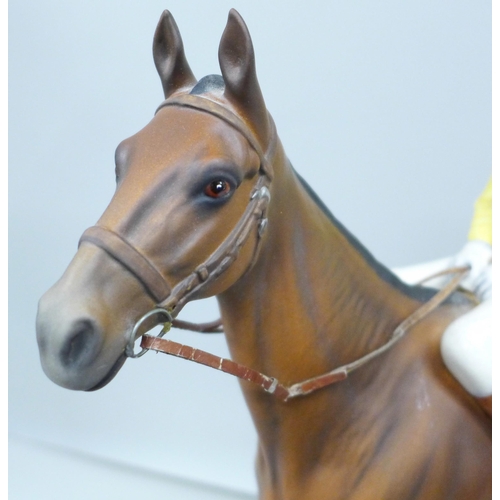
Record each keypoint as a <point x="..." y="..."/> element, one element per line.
<point x="81" y="343"/>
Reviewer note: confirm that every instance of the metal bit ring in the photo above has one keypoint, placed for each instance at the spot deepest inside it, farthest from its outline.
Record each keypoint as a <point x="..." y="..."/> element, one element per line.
<point x="129" y="349"/>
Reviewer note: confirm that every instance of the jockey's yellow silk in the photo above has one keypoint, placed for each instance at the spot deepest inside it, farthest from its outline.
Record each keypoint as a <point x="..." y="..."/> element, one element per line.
<point x="481" y="223"/>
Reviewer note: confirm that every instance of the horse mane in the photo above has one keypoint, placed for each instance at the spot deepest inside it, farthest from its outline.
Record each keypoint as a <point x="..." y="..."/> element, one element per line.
<point x="420" y="293"/>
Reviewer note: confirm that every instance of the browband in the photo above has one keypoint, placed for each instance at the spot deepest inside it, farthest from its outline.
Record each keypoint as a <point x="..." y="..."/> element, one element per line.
<point x="215" y="109"/>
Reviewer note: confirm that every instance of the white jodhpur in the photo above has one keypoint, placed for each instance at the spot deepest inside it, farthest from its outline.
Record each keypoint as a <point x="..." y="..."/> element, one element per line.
<point x="466" y="350"/>
<point x="466" y="343"/>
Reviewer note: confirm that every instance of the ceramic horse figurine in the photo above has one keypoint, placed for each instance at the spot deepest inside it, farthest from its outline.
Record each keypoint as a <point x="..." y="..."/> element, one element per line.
<point x="298" y="296"/>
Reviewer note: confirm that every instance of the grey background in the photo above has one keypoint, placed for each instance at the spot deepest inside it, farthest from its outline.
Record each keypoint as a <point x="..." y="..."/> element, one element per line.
<point x="383" y="106"/>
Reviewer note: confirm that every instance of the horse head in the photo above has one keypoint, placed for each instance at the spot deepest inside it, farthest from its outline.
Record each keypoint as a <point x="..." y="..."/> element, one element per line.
<point x="192" y="189"/>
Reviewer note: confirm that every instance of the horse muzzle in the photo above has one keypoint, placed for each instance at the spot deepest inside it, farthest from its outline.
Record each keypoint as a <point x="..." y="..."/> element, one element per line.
<point x="71" y="342"/>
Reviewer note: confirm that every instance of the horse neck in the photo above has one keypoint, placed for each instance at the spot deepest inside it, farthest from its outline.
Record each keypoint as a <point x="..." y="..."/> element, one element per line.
<point x="312" y="302"/>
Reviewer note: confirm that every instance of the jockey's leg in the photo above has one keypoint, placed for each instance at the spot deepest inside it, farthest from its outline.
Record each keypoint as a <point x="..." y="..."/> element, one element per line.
<point x="466" y="343"/>
<point x="466" y="349"/>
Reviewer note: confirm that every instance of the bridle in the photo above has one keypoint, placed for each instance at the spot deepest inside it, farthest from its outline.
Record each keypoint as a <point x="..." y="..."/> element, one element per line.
<point x="170" y="301"/>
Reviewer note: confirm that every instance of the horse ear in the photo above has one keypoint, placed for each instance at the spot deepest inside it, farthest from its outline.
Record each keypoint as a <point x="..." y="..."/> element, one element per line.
<point x="169" y="57"/>
<point x="237" y="63"/>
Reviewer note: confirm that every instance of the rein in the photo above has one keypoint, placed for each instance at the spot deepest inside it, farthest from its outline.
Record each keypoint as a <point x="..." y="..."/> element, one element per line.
<point x="271" y="384"/>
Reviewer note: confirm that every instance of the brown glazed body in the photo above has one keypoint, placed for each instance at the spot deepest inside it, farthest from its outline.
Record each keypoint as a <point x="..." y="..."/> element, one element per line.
<point x="308" y="300"/>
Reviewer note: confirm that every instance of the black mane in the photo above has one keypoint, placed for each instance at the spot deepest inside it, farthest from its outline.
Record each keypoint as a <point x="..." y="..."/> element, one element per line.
<point x="420" y="293"/>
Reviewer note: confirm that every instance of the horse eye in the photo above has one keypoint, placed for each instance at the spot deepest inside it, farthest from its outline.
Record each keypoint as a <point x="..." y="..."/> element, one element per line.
<point x="218" y="188"/>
